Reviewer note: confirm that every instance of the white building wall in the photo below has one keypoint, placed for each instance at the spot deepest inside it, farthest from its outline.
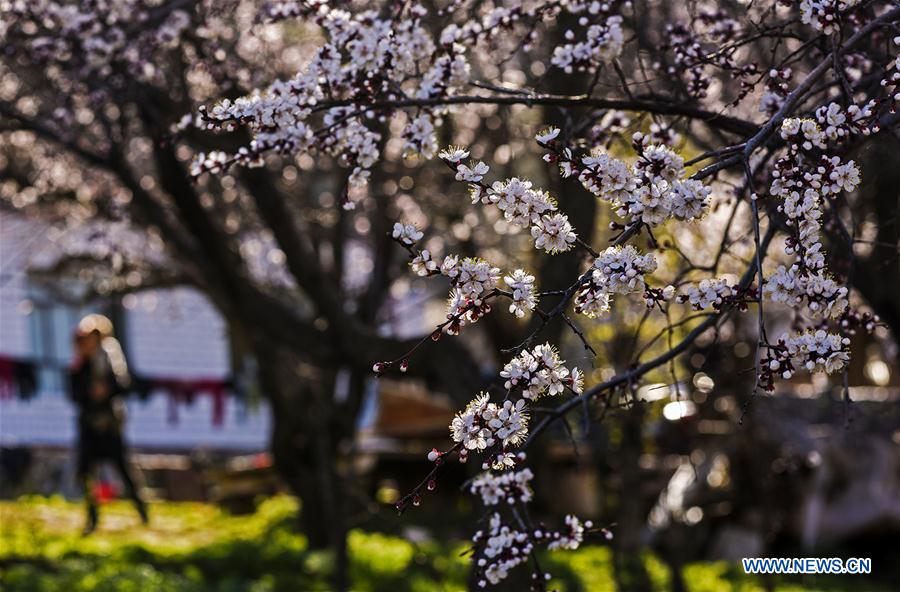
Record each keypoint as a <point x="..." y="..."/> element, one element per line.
<point x="17" y="239"/>
<point x="176" y="333"/>
<point x="171" y="334"/>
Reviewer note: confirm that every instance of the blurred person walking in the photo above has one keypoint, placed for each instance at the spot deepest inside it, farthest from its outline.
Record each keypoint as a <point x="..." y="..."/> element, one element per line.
<point x="99" y="376"/>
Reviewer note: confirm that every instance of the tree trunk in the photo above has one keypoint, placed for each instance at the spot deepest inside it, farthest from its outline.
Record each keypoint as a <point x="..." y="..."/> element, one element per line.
<point x="878" y="274"/>
<point x="306" y="437"/>
<point x="630" y="573"/>
<point x="677" y="575"/>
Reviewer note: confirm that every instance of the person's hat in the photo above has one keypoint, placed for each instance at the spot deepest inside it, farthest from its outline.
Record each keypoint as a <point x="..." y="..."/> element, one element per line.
<point x="94" y="322"/>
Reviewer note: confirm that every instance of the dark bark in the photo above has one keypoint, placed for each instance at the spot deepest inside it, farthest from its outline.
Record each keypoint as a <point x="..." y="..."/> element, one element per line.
<point x="677" y="575"/>
<point x="628" y="565"/>
<point x="306" y="439"/>
<point x="878" y="275"/>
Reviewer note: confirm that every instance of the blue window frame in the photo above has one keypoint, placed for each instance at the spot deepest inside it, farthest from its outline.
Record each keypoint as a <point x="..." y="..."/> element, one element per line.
<point x="52" y="323"/>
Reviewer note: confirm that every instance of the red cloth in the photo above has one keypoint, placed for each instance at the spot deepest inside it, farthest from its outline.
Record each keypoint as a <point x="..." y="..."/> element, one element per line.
<point x="184" y="391"/>
<point x="7" y="377"/>
<point x="104" y="491"/>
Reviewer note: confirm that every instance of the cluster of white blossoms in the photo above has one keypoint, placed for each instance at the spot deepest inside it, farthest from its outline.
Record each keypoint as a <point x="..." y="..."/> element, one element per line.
<point x="503" y="549"/>
<point x="661" y="190"/>
<point x="419" y="136"/>
<point x="804" y="180"/>
<point x="462" y="311"/>
<point x="804" y="132"/>
<point x="814" y="350"/>
<point x="407" y="234"/>
<point x="215" y="161"/>
<point x="473" y="280"/>
<point x="100" y="35"/>
<point x="777" y="88"/>
<point x="473" y="276"/>
<point x="650" y="191"/>
<point x="710" y="292"/>
<point x="524" y="296"/>
<point x="521" y="204"/>
<point x="500" y="427"/>
<point x="593" y="300"/>
<point x="839" y="123"/>
<point x="540" y="372"/>
<point x="572" y="538"/>
<point x="602" y="42"/>
<point x="618" y="270"/>
<point x="822" y="295"/>
<point x="510" y="487"/>
<point x="825" y="15"/>
<point x="424" y="264"/>
<point x="891" y="82"/>
<point x="553" y="234"/>
<point x="622" y="269"/>
<point x="364" y="54"/>
<point x="484" y="424"/>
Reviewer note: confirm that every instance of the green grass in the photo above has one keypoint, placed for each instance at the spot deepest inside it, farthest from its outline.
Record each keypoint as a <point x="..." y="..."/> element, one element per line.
<point x="197" y="547"/>
<point x="192" y="547"/>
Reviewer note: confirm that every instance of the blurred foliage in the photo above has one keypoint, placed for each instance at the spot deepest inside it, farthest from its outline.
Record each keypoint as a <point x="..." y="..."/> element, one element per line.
<point x="193" y="547"/>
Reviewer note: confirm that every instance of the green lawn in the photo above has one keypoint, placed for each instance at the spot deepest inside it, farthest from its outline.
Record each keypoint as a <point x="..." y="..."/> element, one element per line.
<point x="198" y="548"/>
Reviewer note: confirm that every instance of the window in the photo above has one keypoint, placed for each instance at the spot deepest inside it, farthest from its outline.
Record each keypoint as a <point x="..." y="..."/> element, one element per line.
<point x="52" y="324"/>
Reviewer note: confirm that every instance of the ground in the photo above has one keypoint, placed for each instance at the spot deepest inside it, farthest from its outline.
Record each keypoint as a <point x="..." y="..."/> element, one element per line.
<point x="193" y="547"/>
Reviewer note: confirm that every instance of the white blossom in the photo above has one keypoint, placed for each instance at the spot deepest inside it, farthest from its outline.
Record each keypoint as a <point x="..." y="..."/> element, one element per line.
<point x="484" y="424"/>
<point x="602" y="42"/>
<point x="688" y="199"/>
<point x="420" y="136"/>
<point x="572" y="538"/>
<point x="474" y="276"/>
<point x="407" y="234"/>
<point x="547" y="135"/>
<point x="504" y="549"/>
<point x="622" y="269"/>
<point x="537" y="373"/>
<point x="845" y="176"/>
<point x="818" y="350"/>
<point x="521" y="205"/>
<point x="710" y="292"/>
<point x="820" y="295"/>
<point x="576" y="376"/>
<point x="553" y="233"/>
<point x="454" y="155"/>
<point x="509" y="486"/>
<point x="593" y="298"/>
<point x="824" y="15"/>
<point x="524" y="297"/>
<point x="471" y="175"/>
<point x="422" y="264"/>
